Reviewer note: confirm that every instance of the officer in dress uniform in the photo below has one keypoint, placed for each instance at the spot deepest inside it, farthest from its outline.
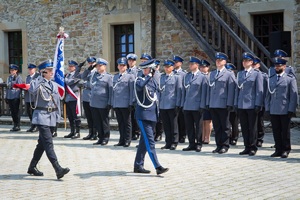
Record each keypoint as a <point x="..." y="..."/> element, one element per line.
<point x="29" y="101"/>
<point x="72" y="88"/>
<point x="281" y="103"/>
<point x="122" y="101"/>
<point x="146" y="91"/>
<point x="249" y="101"/>
<point x="12" y="96"/>
<point x="46" y="113"/>
<point x="170" y="92"/>
<point x="195" y="85"/>
<point x="101" y="93"/>
<point x="220" y="101"/>
<point x="260" y="117"/>
<point x="278" y="53"/>
<point x="86" y="96"/>
<point x="181" y="124"/>
<point x="132" y="69"/>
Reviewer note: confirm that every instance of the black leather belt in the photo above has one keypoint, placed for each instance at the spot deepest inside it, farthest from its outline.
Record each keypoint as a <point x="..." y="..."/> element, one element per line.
<point x="49" y="109"/>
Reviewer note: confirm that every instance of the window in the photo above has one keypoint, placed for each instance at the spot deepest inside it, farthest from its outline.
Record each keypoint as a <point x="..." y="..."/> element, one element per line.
<point x="15" y="48"/>
<point x="123" y="40"/>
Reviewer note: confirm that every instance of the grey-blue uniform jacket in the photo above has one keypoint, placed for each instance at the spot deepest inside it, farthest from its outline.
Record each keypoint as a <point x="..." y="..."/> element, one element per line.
<point x="221" y="89"/>
<point x="13" y="93"/>
<point x="72" y="81"/>
<point x="45" y="97"/>
<point x="86" y="92"/>
<point x="134" y="71"/>
<point x="27" y="97"/>
<point x="170" y="91"/>
<point x="289" y="70"/>
<point x="195" y="91"/>
<point x="249" y="90"/>
<point x="182" y="74"/>
<point x="122" y="96"/>
<point x="101" y="92"/>
<point x="265" y="90"/>
<point x="282" y="95"/>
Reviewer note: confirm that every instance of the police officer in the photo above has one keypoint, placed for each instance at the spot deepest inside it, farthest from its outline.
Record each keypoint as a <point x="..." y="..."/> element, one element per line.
<point x="132" y="69"/>
<point x="233" y="116"/>
<point x="46" y="114"/>
<point x="12" y="96"/>
<point x="29" y="101"/>
<point x="278" y="53"/>
<point x="72" y="94"/>
<point x="281" y="103"/>
<point x="170" y="92"/>
<point x="122" y="101"/>
<point x="195" y="85"/>
<point x="146" y="91"/>
<point x="260" y="117"/>
<point x="101" y="93"/>
<point x="181" y="124"/>
<point x="249" y="101"/>
<point x="221" y="100"/>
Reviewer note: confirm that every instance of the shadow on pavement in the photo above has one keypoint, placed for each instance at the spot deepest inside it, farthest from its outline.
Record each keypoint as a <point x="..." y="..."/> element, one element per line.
<point x="115" y="173"/>
<point x="24" y="177"/>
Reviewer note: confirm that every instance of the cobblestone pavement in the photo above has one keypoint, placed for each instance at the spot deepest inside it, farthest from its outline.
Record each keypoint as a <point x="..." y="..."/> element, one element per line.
<point x="99" y="172"/>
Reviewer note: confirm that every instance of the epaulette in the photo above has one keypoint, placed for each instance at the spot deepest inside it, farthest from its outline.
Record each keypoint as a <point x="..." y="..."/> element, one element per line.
<point x="291" y="75"/>
<point x="257" y="70"/>
<point x="185" y="71"/>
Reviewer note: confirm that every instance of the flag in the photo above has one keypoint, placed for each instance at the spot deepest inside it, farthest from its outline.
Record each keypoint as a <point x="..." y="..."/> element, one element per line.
<point x="58" y="64"/>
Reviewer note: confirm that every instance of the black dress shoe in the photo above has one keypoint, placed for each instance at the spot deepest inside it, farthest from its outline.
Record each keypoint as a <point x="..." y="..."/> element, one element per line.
<point x="198" y="148"/>
<point x="182" y="140"/>
<point x="127" y="144"/>
<point x="103" y="143"/>
<point x="189" y="148"/>
<point x="276" y="154"/>
<point x="158" y="138"/>
<point x="284" y="155"/>
<point x="137" y="146"/>
<point x="54" y="134"/>
<point x="141" y="171"/>
<point x="259" y="144"/>
<point x="161" y="170"/>
<point x="98" y="142"/>
<point x="173" y="147"/>
<point x="223" y="150"/>
<point x="245" y="152"/>
<point x="166" y="147"/>
<point x="15" y="129"/>
<point x="88" y="137"/>
<point x="119" y="144"/>
<point x="135" y="136"/>
<point x="70" y="135"/>
<point x="252" y="153"/>
<point x="216" y="150"/>
<point x="233" y="142"/>
<point x="75" y="136"/>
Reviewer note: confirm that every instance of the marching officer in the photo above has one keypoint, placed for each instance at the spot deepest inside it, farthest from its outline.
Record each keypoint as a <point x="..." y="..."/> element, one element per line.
<point x="29" y="101"/>
<point x="260" y="117"/>
<point x="101" y="93"/>
<point x="46" y="114"/>
<point x="281" y="103"/>
<point x="249" y="101"/>
<point x="146" y="91"/>
<point x="180" y="119"/>
<point x="195" y="85"/>
<point x="221" y="100"/>
<point x="122" y="101"/>
<point x="12" y="96"/>
<point x="72" y="94"/>
<point x="170" y="92"/>
<point x="233" y="116"/>
<point x="131" y="60"/>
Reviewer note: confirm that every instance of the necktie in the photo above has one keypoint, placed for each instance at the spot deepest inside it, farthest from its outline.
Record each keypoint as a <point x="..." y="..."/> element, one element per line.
<point x="120" y="76"/>
<point x="246" y="73"/>
<point x="218" y="72"/>
<point x="175" y="71"/>
<point x="278" y="77"/>
<point x="192" y="76"/>
<point x="129" y="70"/>
<point x="50" y="84"/>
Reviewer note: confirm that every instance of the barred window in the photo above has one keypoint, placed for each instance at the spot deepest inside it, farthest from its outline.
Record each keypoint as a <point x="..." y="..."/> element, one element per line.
<point x="15" y="48"/>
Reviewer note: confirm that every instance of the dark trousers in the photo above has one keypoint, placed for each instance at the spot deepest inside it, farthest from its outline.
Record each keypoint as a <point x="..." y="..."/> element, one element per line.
<point x="169" y="119"/>
<point x="220" y="119"/>
<point x="281" y="132"/>
<point x="193" y="127"/>
<point x="29" y="110"/>
<point x="101" y="119"/>
<point x="14" y="105"/>
<point x="159" y="129"/>
<point x="248" y="120"/>
<point x="260" y="126"/>
<point x="146" y="144"/>
<point x="135" y="128"/>
<point x="124" y="121"/>
<point x="74" y="120"/>
<point x="88" y="114"/>
<point x="45" y="143"/>
<point x="234" y="121"/>
<point x="181" y="124"/>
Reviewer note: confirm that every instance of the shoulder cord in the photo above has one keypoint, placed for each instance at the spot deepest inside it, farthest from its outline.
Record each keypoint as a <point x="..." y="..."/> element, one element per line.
<point x="163" y="87"/>
<point x="237" y="82"/>
<point x="145" y="93"/>
<point x="209" y="83"/>
<point x="186" y="86"/>
<point x="91" y="80"/>
<point x="118" y="82"/>
<point x="268" y="81"/>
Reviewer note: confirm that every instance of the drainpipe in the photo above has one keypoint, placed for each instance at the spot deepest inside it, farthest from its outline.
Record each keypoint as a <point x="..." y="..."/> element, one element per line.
<point x="153" y="27"/>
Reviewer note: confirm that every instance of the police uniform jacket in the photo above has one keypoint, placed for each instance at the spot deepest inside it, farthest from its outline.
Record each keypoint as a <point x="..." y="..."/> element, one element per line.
<point x="27" y="97"/>
<point x="101" y="92"/>
<point x="170" y="91"/>
<point x="249" y="90"/>
<point x="122" y="96"/>
<point x="134" y="71"/>
<point x="86" y="92"/>
<point x="195" y="91"/>
<point x="141" y="85"/>
<point x="46" y="96"/>
<point x="282" y="95"/>
<point x="13" y="93"/>
<point x="72" y="81"/>
<point x="221" y="89"/>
